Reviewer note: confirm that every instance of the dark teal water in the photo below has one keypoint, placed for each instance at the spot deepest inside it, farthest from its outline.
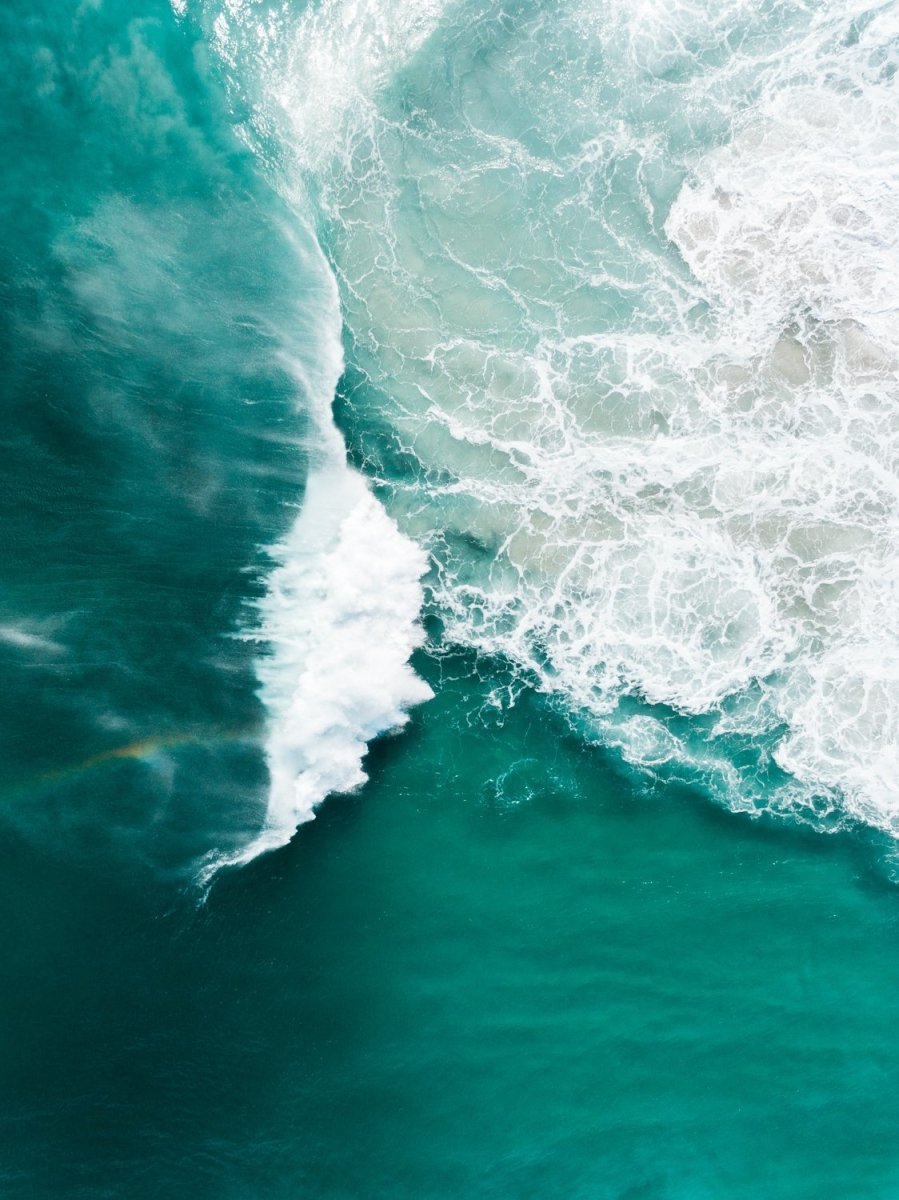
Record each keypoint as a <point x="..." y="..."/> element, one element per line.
<point x="509" y="966"/>
<point x="497" y="972"/>
<point x="151" y="435"/>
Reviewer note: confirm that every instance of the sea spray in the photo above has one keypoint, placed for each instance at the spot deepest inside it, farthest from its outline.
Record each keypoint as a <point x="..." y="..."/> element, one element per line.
<point x="339" y="617"/>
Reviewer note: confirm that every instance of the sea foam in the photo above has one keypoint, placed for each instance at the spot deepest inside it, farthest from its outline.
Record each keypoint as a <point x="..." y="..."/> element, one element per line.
<point x="620" y="282"/>
<point x="338" y="623"/>
<point x="339" y="617"/>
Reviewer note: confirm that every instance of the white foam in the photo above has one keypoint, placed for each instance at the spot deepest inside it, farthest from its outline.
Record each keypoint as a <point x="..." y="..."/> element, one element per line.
<point x="339" y="621"/>
<point x="340" y="615"/>
<point x="339" y="618"/>
<point x="626" y="287"/>
<point x="692" y="514"/>
<point x="311" y="77"/>
<point x="341" y="52"/>
<point x="844" y="729"/>
<point x="23" y="637"/>
<point x="336" y="627"/>
<point x="798" y="213"/>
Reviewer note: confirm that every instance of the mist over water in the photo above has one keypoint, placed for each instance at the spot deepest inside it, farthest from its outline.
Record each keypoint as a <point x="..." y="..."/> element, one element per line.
<point x="151" y="428"/>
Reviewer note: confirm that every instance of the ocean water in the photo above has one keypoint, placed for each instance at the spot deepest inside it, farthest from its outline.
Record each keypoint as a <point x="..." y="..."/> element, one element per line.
<point x="477" y="427"/>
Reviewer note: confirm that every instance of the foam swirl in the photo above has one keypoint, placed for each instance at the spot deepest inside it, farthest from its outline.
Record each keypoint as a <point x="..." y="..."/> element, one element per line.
<point x="620" y="284"/>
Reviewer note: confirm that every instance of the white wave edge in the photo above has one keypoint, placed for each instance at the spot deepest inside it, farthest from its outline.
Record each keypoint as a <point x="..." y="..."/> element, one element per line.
<point x="339" y="622"/>
<point x="339" y="619"/>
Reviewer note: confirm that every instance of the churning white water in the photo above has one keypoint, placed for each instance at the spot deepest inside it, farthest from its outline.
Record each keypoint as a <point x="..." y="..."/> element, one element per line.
<point x="620" y="290"/>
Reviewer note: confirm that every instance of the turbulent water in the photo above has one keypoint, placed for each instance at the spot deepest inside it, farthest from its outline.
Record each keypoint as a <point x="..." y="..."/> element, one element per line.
<point x="522" y="380"/>
<point x="619" y="293"/>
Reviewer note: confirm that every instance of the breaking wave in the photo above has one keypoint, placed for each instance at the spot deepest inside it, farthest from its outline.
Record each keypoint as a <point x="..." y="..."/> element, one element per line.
<point x="619" y="285"/>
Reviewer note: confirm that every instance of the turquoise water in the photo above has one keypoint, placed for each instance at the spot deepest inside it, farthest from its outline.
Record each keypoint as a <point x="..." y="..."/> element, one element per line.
<point x="603" y="529"/>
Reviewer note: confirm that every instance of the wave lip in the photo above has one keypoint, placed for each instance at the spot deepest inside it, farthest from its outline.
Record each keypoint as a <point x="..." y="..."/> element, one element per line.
<point x="341" y="618"/>
<point x="339" y="621"/>
<point x="340" y="615"/>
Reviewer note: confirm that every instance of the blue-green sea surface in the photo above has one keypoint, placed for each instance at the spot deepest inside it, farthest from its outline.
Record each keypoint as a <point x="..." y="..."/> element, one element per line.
<point x="497" y="972"/>
<point x="521" y="381"/>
